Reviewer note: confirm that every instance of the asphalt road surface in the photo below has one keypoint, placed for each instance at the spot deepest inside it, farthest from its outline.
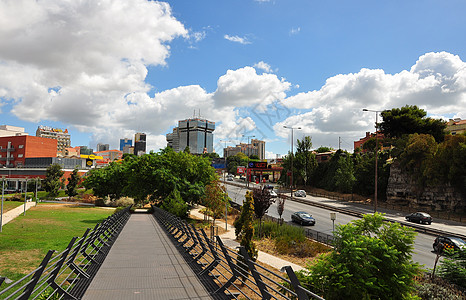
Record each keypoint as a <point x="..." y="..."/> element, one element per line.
<point x="423" y="252"/>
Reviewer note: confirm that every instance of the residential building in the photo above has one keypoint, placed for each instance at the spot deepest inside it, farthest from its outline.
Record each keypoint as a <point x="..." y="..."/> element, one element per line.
<point x="103" y="147"/>
<point x="260" y="145"/>
<point x="195" y="133"/>
<point x="128" y="149"/>
<point x="7" y="130"/>
<point x="124" y="143"/>
<point x="140" y="144"/>
<point x="107" y="157"/>
<point x="62" y="136"/>
<point x="359" y="144"/>
<point x="256" y="147"/>
<point x="456" y="126"/>
<point x="15" y="149"/>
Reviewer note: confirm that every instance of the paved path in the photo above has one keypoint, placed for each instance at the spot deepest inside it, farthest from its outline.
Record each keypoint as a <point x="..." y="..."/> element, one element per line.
<point x="13" y="213"/>
<point x="229" y="239"/>
<point x="144" y="264"/>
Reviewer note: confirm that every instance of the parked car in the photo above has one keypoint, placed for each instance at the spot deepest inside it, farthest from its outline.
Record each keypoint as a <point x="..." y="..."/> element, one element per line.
<point x="300" y="193"/>
<point x="419" y="217"/>
<point x="303" y="218"/>
<point x="442" y="242"/>
<point x="273" y="194"/>
<point x="229" y="178"/>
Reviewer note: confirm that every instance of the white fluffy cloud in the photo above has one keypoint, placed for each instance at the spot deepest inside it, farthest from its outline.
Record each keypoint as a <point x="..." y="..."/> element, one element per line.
<point x="436" y="83"/>
<point x="263" y="66"/>
<point x="237" y="39"/>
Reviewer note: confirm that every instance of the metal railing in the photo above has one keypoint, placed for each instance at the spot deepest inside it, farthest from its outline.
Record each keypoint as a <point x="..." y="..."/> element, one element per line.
<point x="67" y="275"/>
<point x="234" y="273"/>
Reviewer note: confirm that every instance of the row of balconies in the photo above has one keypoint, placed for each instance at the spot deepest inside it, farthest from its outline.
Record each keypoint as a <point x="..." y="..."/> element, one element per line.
<point x="11" y="149"/>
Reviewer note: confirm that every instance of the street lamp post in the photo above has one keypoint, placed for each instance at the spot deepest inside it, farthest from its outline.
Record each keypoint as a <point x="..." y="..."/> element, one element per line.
<point x="291" y="180"/>
<point x="25" y="196"/>
<point x="37" y="182"/>
<point x="376" y="153"/>
<point x="224" y="182"/>
<point x="3" y="194"/>
<point x="247" y="167"/>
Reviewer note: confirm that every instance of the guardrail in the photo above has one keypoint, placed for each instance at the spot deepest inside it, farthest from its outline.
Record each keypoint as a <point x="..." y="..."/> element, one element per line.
<point x="418" y="228"/>
<point x="236" y="275"/>
<point x="67" y="275"/>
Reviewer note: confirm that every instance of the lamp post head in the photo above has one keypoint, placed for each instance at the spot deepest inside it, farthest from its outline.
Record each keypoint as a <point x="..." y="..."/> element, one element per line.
<point x="365" y="109"/>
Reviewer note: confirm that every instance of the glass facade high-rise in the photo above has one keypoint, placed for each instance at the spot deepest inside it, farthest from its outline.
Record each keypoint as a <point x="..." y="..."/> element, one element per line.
<point x="196" y="133"/>
<point x="125" y="142"/>
<point x="139" y="143"/>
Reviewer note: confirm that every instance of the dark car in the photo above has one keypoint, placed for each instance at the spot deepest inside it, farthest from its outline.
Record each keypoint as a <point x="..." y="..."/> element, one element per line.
<point x="419" y="217"/>
<point x="443" y="242"/>
<point x="303" y="218"/>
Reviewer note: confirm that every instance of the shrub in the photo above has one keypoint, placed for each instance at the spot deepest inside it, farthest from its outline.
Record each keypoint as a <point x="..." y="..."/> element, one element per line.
<point x="175" y="205"/>
<point x="123" y="202"/>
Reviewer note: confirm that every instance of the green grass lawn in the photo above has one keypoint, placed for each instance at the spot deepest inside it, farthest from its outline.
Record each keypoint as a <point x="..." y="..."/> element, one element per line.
<point x="9" y="205"/>
<point x="26" y="239"/>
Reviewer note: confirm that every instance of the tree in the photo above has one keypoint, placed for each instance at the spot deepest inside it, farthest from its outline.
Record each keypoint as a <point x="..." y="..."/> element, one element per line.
<point x="281" y="206"/>
<point x="109" y="181"/>
<point x="215" y="199"/>
<point x="371" y="260"/>
<point x="254" y="156"/>
<point x="305" y="160"/>
<point x="344" y="176"/>
<point x="453" y="267"/>
<point x="408" y="120"/>
<point x="73" y="181"/>
<point x="262" y="202"/>
<point x="52" y="182"/>
<point x="244" y="228"/>
<point x="174" y="204"/>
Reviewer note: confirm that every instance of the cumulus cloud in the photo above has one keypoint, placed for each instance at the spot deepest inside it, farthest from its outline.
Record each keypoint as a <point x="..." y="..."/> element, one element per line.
<point x="244" y="87"/>
<point x="263" y="66"/>
<point x="435" y="83"/>
<point x="237" y="39"/>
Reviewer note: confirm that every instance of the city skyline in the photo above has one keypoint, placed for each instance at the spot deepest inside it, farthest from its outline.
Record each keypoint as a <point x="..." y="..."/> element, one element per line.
<point x="251" y="67"/>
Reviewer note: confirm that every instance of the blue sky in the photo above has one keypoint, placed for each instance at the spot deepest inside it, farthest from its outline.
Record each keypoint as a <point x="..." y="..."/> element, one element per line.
<point x="107" y="69"/>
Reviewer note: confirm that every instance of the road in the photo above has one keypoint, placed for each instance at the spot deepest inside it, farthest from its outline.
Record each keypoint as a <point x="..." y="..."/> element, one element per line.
<point x="423" y="252"/>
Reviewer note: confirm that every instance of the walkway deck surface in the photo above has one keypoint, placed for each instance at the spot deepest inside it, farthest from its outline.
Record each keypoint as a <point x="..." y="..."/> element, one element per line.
<point x="145" y="264"/>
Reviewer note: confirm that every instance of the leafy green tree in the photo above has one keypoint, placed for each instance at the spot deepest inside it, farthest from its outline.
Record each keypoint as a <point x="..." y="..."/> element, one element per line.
<point x="234" y="161"/>
<point x="109" y="181"/>
<point x="323" y="149"/>
<point x="73" y="181"/>
<point x="262" y="201"/>
<point x="174" y="204"/>
<point x="408" y="120"/>
<point x="453" y="268"/>
<point x="344" y="175"/>
<point x="371" y="260"/>
<point x="305" y="160"/>
<point x="215" y="199"/>
<point x="244" y="228"/>
<point x="52" y="182"/>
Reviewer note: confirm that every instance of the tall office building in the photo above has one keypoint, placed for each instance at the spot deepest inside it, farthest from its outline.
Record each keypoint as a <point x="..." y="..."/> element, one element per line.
<point x="140" y="144"/>
<point x="260" y="145"/>
<point x="196" y="133"/>
<point x="103" y="147"/>
<point x="125" y="142"/>
<point x="62" y="136"/>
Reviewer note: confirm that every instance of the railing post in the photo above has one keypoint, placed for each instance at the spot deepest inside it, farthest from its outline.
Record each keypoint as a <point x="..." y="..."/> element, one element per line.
<point x="216" y="260"/>
<point x="56" y="270"/>
<point x="235" y="273"/>
<point x="260" y="284"/>
<point x="35" y="278"/>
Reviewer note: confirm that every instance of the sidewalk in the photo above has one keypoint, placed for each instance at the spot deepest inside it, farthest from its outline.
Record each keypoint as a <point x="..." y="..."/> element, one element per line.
<point x="229" y="237"/>
<point x="11" y="214"/>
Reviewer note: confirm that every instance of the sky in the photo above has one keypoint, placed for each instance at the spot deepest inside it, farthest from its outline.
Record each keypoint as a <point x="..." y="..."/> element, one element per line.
<point x="106" y="69"/>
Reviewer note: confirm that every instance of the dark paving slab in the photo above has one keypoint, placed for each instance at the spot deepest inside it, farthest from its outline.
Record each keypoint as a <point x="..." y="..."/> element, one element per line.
<point x="145" y="264"/>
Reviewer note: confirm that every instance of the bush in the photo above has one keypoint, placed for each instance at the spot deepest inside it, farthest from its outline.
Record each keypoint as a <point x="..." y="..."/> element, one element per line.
<point x="175" y="205"/>
<point x="123" y="202"/>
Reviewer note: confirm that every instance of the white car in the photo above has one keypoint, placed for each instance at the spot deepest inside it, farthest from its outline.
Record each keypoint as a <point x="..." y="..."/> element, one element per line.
<point x="273" y="194"/>
<point x="300" y="193"/>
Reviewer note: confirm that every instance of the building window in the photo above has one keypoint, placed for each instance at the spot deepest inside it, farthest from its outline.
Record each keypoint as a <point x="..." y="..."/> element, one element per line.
<point x="20" y="155"/>
<point x="21" y="146"/>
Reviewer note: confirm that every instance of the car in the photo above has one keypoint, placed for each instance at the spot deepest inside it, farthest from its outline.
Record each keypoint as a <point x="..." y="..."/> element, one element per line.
<point x="273" y="194"/>
<point x="419" y="217"/>
<point x="303" y="218"/>
<point x="300" y="193"/>
<point x="443" y="242"/>
<point x="229" y="178"/>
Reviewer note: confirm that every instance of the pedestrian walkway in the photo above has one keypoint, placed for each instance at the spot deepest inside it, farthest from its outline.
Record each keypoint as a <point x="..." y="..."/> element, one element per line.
<point x="11" y="214"/>
<point x="229" y="240"/>
<point x="145" y="264"/>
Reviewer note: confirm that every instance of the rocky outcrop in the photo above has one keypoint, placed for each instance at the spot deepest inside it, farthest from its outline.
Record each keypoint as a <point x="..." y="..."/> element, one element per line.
<point x="402" y="190"/>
